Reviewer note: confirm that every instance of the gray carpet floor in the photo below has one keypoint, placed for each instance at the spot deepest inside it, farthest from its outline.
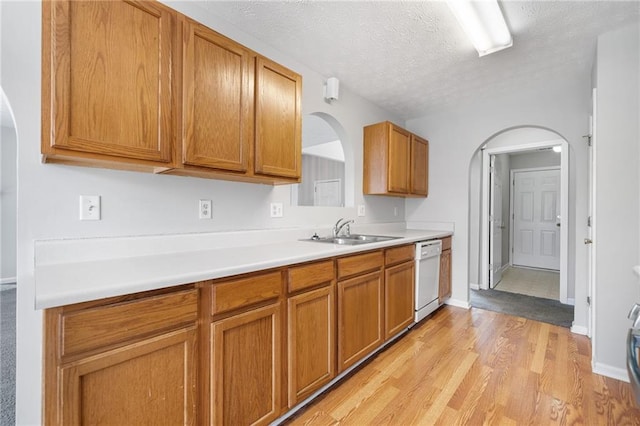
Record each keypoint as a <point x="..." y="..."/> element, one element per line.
<point x="534" y="308"/>
<point x="8" y="356"/>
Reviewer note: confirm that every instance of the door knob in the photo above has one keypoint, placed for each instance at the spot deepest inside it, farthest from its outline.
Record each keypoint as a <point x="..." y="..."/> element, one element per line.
<point x="588" y="241"/>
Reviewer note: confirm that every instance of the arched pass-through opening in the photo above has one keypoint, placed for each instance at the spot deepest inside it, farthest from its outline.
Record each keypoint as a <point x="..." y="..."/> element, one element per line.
<point x="515" y="140"/>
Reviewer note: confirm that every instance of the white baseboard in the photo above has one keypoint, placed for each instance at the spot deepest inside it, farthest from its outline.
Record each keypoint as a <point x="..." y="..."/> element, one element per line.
<point x="579" y="329"/>
<point x="474" y="286"/>
<point x="610" y="371"/>
<point x="9" y="280"/>
<point x="459" y="303"/>
<point x="571" y="301"/>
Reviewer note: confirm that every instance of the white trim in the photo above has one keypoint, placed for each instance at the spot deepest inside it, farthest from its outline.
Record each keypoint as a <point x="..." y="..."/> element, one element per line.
<point x="458" y="303"/>
<point x="474" y="286"/>
<point x="579" y="329"/>
<point x="611" y="371"/>
<point x="10" y="280"/>
<point x="564" y="208"/>
<point x="571" y="301"/>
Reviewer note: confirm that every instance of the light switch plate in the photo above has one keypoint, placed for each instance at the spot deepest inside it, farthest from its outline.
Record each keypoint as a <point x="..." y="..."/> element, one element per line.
<point x="361" y="210"/>
<point x="89" y="207"/>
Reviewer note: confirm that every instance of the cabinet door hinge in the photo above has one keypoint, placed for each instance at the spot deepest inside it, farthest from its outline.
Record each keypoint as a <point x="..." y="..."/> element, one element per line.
<point x="589" y="221"/>
<point x="589" y="300"/>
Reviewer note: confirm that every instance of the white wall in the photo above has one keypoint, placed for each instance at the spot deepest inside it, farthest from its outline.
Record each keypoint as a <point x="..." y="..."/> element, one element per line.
<point x="530" y="160"/>
<point x="455" y="137"/>
<point x="136" y="203"/>
<point x="617" y="209"/>
<point x="8" y="205"/>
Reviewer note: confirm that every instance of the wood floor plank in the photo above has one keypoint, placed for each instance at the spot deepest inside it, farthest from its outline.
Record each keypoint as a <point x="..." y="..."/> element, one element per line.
<point x="475" y="367"/>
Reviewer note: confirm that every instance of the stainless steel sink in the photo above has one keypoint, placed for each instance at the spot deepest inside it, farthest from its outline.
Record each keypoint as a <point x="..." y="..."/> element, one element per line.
<point x="353" y="239"/>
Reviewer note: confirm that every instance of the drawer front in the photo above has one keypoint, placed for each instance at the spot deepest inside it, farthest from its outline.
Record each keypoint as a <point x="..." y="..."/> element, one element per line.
<point x="102" y="326"/>
<point x="306" y="276"/>
<point x="360" y="263"/>
<point x="399" y="254"/>
<point x="446" y="243"/>
<point x="230" y="295"/>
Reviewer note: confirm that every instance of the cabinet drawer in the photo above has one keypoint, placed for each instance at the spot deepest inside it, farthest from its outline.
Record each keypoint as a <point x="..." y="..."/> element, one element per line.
<point x="107" y="325"/>
<point x="359" y="263"/>
<point x="242" y="292"/>
<point x="306" y="276"/>
<point x="446" y="243"/>
<point x="399" y="254"/>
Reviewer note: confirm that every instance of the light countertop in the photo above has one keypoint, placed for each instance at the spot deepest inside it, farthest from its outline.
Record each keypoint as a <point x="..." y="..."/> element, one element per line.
<point x="65" y="273"/>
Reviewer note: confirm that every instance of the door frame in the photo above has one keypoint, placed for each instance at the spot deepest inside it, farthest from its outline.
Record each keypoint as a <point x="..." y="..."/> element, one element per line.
<point x="564" y="208"/>
<point x="512" y="176"/>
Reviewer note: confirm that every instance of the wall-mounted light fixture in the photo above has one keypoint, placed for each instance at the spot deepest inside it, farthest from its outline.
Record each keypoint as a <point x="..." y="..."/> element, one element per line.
<point x="332" y="89"/>
<point x="484" y="24"/>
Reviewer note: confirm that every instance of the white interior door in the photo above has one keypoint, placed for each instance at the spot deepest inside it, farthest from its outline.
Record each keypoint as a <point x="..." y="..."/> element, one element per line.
<point x="496" y="224"/>
<point x="536" y="219"/>
<point x="327" y="193"/>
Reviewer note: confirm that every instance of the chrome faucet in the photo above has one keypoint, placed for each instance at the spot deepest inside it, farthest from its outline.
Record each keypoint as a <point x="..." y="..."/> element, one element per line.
<point x="341" y="223"/>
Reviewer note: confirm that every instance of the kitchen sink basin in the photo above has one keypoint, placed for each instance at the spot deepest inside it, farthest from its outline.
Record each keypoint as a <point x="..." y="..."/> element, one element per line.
<point x="353" y="239"/>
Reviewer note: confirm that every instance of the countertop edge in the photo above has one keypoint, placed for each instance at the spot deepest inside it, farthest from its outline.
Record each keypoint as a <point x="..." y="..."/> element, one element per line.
<point x="57" y="284"/>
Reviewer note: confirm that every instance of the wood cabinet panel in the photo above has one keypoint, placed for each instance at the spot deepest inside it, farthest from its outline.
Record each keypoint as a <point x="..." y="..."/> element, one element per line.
<point x="103" y="57"/>
<point x="311" y="342"/>
<point x="246" y="370"/>
<point x="444" y="285"/>
<point x="149" y="382"/>
<point x="399" y="151"/>
<point x="359" y="263"/>
<point x="217" y="100"/>
<point x="238" y="293"/>
<point x="419" y="166"/>
<point x="446" y="243"/>
<point x="101" y="326"/>
<point x="306" y="276"/>
<point x="399" y="254"/>
<point x="360" y="313"/>
<point x="278" y="120"/>
<point x="399" y="298"/>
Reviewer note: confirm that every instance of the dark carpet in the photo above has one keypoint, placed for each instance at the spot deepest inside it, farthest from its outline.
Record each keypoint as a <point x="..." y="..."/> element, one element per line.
<point x="8" y="357"/>
<point x="534" y="308"/>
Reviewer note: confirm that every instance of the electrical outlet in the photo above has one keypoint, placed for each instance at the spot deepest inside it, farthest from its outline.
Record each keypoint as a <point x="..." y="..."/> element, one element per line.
<point x="205" y="209"/>
<point x="276" y="210"/>
<point x="361" y="210"/>
<point x="89" y="207"/>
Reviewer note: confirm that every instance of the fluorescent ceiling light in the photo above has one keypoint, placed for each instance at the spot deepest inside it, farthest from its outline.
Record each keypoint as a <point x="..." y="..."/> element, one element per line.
<point x="484" y="24"/>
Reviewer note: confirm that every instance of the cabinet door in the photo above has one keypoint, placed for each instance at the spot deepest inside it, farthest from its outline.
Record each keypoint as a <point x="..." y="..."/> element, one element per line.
<point x="444" y="287"/>
<point x="399" y="154"/>
<point x="359" y="318"/>
<point x="399" y="298"/>
<point x="109" y="66"/>
<point x="246" y="367"/>
<point x="278" y="136"/>
<point x="419" y="166"/>
<point x="217" y="99"/>
<point x="311" y="342"/>
<point x="149" y="382"/>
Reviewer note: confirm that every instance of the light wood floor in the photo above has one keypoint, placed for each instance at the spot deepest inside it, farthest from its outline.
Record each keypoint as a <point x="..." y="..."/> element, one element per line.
<point x="474" y="367"/>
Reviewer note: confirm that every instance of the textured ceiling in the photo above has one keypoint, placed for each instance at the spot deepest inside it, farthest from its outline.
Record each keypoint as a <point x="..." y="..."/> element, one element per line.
<point x="412" y="57"/>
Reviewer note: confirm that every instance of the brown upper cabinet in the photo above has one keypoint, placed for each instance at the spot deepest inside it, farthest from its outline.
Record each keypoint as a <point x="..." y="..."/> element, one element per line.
<point x="136" y="85"/>
<point x="106" y="83"/>
<point x="396" y="162"/>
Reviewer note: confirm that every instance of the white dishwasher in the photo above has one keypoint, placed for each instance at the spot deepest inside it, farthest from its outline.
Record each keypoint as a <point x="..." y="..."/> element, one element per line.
<point x="427" y="277"/>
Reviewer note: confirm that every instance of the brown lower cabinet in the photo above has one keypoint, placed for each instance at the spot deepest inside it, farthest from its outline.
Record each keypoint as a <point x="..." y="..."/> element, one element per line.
<point x="239" y="350"/>
<point x="246" y="370"/>
<point x="127" y="360"/>
<point x="444" y="285"/>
